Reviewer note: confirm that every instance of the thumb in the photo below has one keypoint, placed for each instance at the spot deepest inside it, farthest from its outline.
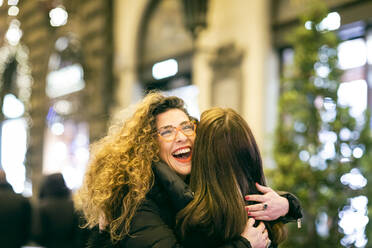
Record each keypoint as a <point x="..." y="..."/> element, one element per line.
<point x="251" y="222"/>
<point x="263" y="189"/>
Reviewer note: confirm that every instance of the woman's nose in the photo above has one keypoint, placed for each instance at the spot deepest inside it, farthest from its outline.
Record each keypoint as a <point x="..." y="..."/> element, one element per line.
<point x="180" y="136"/>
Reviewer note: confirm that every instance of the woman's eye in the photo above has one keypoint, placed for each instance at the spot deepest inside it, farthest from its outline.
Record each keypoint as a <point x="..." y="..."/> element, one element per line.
<point x="165" y="132"/>
<point x="188" y="128"/>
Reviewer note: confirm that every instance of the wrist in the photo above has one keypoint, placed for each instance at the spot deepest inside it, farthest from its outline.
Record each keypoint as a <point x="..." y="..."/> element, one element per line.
<point x="285" y="206"/>
<point x="245" y="241"/>
<point x="295" y="211"/>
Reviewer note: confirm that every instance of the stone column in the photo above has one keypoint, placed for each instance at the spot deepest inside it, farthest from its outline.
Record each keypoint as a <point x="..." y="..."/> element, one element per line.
<point x="37" y="38"/>
<point x="96" y="28"/>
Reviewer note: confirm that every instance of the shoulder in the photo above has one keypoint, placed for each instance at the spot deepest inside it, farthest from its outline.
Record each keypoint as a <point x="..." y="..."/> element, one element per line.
<point x="154" y="209"/>
<point x="153" y="223"/>
<point x="7" y="194"/>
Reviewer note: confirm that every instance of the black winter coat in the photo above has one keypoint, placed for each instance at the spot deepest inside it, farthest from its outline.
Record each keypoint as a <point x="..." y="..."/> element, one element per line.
<point x="199" y="237"/>
<point x="15" y="218"/>
<point x="154" y="223"/>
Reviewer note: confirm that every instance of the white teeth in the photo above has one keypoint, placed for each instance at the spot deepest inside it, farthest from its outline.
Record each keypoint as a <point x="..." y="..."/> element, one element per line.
<point x="181" y="151"/>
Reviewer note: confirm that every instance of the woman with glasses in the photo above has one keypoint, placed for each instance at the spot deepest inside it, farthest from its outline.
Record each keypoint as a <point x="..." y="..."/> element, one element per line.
<point x="130" y="194"/>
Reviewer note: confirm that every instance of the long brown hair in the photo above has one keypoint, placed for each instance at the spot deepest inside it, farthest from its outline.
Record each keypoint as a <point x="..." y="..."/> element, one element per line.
<point x="226" y="164"/>
<point x="119" y="173"/>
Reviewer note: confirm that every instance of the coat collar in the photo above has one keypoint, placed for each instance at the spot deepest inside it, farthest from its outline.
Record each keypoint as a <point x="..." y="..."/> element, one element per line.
<point x="177" y="190"/>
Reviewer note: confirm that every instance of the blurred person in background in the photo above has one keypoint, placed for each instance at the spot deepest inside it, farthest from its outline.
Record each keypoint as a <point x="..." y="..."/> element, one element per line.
<point x="56" y="223"/>
<point x="15" y="216"/>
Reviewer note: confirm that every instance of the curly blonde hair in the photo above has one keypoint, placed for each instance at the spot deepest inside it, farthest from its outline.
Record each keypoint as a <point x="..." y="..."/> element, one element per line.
<point x="119" y="174"/>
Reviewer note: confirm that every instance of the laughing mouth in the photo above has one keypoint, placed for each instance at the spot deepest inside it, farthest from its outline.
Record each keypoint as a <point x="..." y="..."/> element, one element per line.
<point x="182" y="154"/>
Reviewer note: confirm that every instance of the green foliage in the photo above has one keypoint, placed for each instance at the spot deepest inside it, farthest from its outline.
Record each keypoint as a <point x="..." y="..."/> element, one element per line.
<point x="308" y="107"/>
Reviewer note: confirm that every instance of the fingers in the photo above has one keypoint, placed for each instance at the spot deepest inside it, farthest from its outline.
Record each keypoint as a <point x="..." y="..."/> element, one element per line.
<point x="255" y="207"/>
<point x="265" y="234"/>
<point x="257" y="212"/>
<point x="261" y="227"/>
<point x="251" y="222"/>
<point x="258" y="215"/>
<point x="257" y="198"/>
<point x="263" y="217"/>
<point x="268" y="243"/>
<point x="263" y="189"/>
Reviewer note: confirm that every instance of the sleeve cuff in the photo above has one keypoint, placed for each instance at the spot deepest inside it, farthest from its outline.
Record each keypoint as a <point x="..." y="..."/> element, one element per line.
<point x="295" y="210"/>
<point x="245" y="241"/>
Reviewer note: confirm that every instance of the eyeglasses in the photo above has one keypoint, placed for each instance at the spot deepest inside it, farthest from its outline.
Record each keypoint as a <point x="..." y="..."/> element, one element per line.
<point x="169" y="133"/>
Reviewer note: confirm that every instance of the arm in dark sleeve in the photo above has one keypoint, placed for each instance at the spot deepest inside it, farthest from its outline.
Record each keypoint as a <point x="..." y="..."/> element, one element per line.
<point x="295" y="210"/>
<point x="149" y="230"/>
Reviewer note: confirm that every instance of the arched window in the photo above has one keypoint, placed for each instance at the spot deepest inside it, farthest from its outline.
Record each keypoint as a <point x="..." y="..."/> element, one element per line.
<point x="165" y="52"/>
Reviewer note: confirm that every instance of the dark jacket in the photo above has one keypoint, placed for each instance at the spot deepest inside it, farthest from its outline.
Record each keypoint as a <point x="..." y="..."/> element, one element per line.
<point x="15" y="218"/>
<point x="199" y="237"/>
<point x="154" y="223"/>
<point x="176" y="190"/>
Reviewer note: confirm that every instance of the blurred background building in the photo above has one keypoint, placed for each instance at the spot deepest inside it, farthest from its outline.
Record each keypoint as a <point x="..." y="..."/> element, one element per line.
<point x="68" y="68"/>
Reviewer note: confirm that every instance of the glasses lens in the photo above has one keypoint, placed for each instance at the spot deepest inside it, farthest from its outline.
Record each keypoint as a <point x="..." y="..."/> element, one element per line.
<point x="188" y="128"/>
<point x="167" y="133"/>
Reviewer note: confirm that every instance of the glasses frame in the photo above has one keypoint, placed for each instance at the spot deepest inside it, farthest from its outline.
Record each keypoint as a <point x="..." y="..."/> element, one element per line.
<point x="178" y="129"/>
